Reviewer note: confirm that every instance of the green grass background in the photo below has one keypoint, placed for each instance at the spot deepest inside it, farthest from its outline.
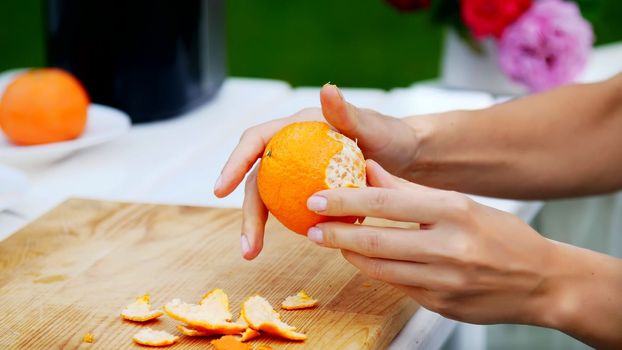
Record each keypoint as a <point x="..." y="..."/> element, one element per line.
<point x="351" y="43"/>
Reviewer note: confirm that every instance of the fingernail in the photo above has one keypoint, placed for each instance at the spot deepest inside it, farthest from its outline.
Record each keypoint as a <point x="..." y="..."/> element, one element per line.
<point x="336" y="87"/>
<point x="339" y="92"/>
<point x="218" y="182"/>
<point x="316" y="203"/>
<point x="315" y="235"/>
<point x="246" y="247"/>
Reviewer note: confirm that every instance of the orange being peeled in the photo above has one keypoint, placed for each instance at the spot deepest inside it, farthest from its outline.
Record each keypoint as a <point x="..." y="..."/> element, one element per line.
<point x="300" y="160"/>
<point x="43" y="106"/>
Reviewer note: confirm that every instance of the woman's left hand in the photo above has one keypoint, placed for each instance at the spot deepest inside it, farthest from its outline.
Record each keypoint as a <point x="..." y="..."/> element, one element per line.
<point x="467" y="261"/>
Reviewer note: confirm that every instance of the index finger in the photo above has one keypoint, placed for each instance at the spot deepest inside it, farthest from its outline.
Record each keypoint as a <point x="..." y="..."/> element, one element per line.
<point x="417" y="204"/>
<point x="249" y="149"/>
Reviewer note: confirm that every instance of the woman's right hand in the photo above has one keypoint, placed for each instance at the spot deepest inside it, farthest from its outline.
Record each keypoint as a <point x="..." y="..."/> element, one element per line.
<point x="389" y="141"/>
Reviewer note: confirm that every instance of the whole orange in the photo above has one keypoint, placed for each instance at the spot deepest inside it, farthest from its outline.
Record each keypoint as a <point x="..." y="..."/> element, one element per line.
<point x="300" y="160"/>
<point x="43" y="106"/>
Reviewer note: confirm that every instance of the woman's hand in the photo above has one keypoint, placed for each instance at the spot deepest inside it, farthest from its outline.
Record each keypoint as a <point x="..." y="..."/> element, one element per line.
<point x="473" y="263"/>
<point x="467" y="261"/>
<point x="390" y="141"/>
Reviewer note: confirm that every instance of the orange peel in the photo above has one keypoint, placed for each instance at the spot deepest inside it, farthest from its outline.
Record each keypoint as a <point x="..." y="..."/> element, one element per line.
<point x="216" y="295"/>
<point x="140" y="310"/>
<point x="261" y="316"/>
<point x="191" y="332"/>
<point x="211" y="314"/>
<point x="88" y="338"/>
<point x="302" y="300"/>
<point x="249" y="333"/>
<point x="229" y="342"/>
<point x="150" y="337"/>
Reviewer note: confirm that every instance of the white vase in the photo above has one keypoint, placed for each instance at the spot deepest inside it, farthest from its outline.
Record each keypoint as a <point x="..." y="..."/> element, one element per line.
<point x="464" y="68"/>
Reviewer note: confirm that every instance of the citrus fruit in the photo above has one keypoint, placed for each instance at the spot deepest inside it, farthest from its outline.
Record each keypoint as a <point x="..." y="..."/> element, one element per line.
<point x="43" y="106"/>
<point x="300" y="160"/>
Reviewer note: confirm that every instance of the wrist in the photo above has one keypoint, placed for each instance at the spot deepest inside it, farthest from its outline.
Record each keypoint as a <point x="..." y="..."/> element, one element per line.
<point x="582" y="295"/>
<point x="560" y="304"/>
<point x="431" y="134"/>
<point x="423" y="130"/>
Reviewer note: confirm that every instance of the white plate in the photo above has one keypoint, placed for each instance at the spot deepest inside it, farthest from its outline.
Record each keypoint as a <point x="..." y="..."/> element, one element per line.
<point x="13" y="185"/>
<point x="103" y="124"/>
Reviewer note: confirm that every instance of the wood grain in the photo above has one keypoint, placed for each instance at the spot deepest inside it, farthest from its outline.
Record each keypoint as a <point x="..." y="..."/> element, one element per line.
<point x="74" y="269"/>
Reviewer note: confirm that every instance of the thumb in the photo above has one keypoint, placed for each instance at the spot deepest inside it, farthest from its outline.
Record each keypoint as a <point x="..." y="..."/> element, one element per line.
<point x="339" y="113"/>
<point x="368" y="127"/>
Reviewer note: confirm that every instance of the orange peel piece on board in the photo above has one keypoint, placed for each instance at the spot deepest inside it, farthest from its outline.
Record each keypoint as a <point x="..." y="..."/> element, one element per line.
<point x="211" y="314"/>
<point x="229" y="342"/>
<point x="191" y="332"/>
<point x="264" y="347"/>
<point x="150" y="337"/>
<point x="217" y="296"/>
<point x="140" y="310"/>
<point x="206" y="317"/>
<point x="249" y="333"/>
<point x="260" y="316"/>
<point x="302" y="300"/>
<point x="88" y="338"/>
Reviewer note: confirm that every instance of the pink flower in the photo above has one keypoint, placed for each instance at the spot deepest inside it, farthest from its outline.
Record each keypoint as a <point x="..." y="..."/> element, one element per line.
<point x="547" y="46"/>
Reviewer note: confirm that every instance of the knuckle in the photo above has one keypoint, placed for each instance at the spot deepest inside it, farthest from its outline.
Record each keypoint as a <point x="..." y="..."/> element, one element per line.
<point x="461" y="247"/>
<point x="462" y="250"/>
<point x="378" y="200"/>
<point x="308" y="111"/>
<point x="328" y="234"/>
<point x="335" y="204"/>
<point x="375" y="269"/>
<point x="248" y="188"/>
<point x="246" y="134"/>
<point x="460" y="206"/>
<point x="369" y="242"/>
<point x="251" y="180"/>
<point x="441" y="303"/>
<point x="458" y="284"/>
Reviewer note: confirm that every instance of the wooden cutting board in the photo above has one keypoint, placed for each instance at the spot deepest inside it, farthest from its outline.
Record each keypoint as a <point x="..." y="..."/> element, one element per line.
<point x="73" y="270"/>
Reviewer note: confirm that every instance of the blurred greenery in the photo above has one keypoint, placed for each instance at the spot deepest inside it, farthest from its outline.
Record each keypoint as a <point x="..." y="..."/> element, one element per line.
<point x="21" y="34"/>
<point x="362" y="43"/>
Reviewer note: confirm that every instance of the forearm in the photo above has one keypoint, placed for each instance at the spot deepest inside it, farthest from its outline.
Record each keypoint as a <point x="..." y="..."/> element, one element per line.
<point x="565" y="142"/>
<point x="583" y="296"/>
